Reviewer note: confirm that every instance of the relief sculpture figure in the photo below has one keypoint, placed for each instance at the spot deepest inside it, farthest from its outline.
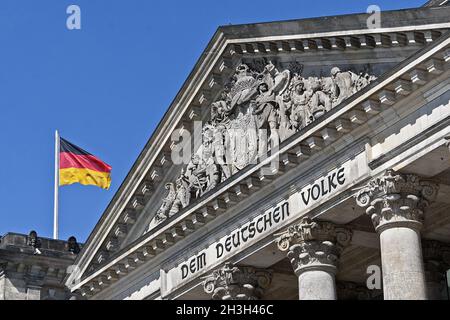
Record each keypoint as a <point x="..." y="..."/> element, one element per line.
<point x="163" y="211"/>
<point x="242" y="127"/>
<point x="266" y="118"/>
<point x="254" y="113"/>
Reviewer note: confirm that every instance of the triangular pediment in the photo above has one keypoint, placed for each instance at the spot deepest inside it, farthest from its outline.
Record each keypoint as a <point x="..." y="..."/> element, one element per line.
<point x="265" y="101"/>
<point x="255" y="87"/>
<point x="238" y="124"/>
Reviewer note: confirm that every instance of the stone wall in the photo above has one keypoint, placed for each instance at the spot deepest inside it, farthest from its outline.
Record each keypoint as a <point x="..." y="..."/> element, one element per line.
<point x="33" y="268"/>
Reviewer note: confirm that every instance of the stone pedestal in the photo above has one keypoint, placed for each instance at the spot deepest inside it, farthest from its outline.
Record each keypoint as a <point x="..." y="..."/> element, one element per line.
<point x="396" y="204"/>
<point x="314" y="249"/>
<point x="237" y="283"/>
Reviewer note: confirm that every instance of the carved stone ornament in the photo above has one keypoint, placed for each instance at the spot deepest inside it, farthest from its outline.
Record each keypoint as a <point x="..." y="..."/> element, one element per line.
<point x="237" y="283"/>
<point x="396" y="198"/>
<point x="254" y="113"/>
<point x="313" y="244"/>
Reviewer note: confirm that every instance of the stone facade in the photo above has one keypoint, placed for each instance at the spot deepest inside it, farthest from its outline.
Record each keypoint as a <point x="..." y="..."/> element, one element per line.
<point x="34" y="268"/>
<point x="317" y="167"/>
<point x="310" y="171"/>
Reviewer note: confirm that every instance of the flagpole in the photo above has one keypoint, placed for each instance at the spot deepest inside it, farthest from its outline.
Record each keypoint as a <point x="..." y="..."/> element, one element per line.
<point x="55" y="211"/>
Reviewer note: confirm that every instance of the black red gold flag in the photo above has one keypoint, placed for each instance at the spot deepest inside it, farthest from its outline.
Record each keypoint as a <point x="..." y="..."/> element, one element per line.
<point x="79" y="166"/>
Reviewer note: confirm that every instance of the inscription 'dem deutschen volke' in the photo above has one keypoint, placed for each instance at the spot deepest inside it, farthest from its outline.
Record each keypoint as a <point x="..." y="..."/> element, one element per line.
<point x="265" y="222"/>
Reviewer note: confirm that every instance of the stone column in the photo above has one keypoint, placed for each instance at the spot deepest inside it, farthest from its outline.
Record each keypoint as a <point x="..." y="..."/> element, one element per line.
<point x="396" y="205"/>
<point x="436" y="257"/>
<point x="237" y="283"/>
<point x="314" y="249"/>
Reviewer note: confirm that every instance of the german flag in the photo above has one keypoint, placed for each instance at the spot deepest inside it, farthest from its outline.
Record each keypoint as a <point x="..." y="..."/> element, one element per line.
<point x="78" y="165"/>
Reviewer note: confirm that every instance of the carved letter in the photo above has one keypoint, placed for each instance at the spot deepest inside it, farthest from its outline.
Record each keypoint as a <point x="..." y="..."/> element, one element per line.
<point x="192" y="266"/>
<point x="276" y="215"/>
<point x="285" y="210"/>
<point x="201" y="261"/>
<point x="219" y="250"/>
<point x="331" y="184"/>
<point x="315" y="195"/>
<point x="236" y="243"/>
<point x="244" y="239"/>
<point x="251" y="230"/>
<point x="324" y="191"/>
<point x="340" y="176"/>
<point x="184" y="271"/>
<point x="228" y="244"/>
<point x="305" y="201"/>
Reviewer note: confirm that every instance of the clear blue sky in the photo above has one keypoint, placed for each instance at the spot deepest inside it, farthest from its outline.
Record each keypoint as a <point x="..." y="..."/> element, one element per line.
<point x="105" y="87"/>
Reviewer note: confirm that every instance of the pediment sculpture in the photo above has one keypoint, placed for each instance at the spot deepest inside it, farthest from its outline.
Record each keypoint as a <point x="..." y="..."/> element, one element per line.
<point x="254" y="113"/>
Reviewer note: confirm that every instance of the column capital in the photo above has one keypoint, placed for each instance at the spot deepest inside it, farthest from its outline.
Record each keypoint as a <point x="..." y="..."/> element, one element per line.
<point x="396" y="199"/>
<point x="237" y="282"/>
<point x="314" y="245"/>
